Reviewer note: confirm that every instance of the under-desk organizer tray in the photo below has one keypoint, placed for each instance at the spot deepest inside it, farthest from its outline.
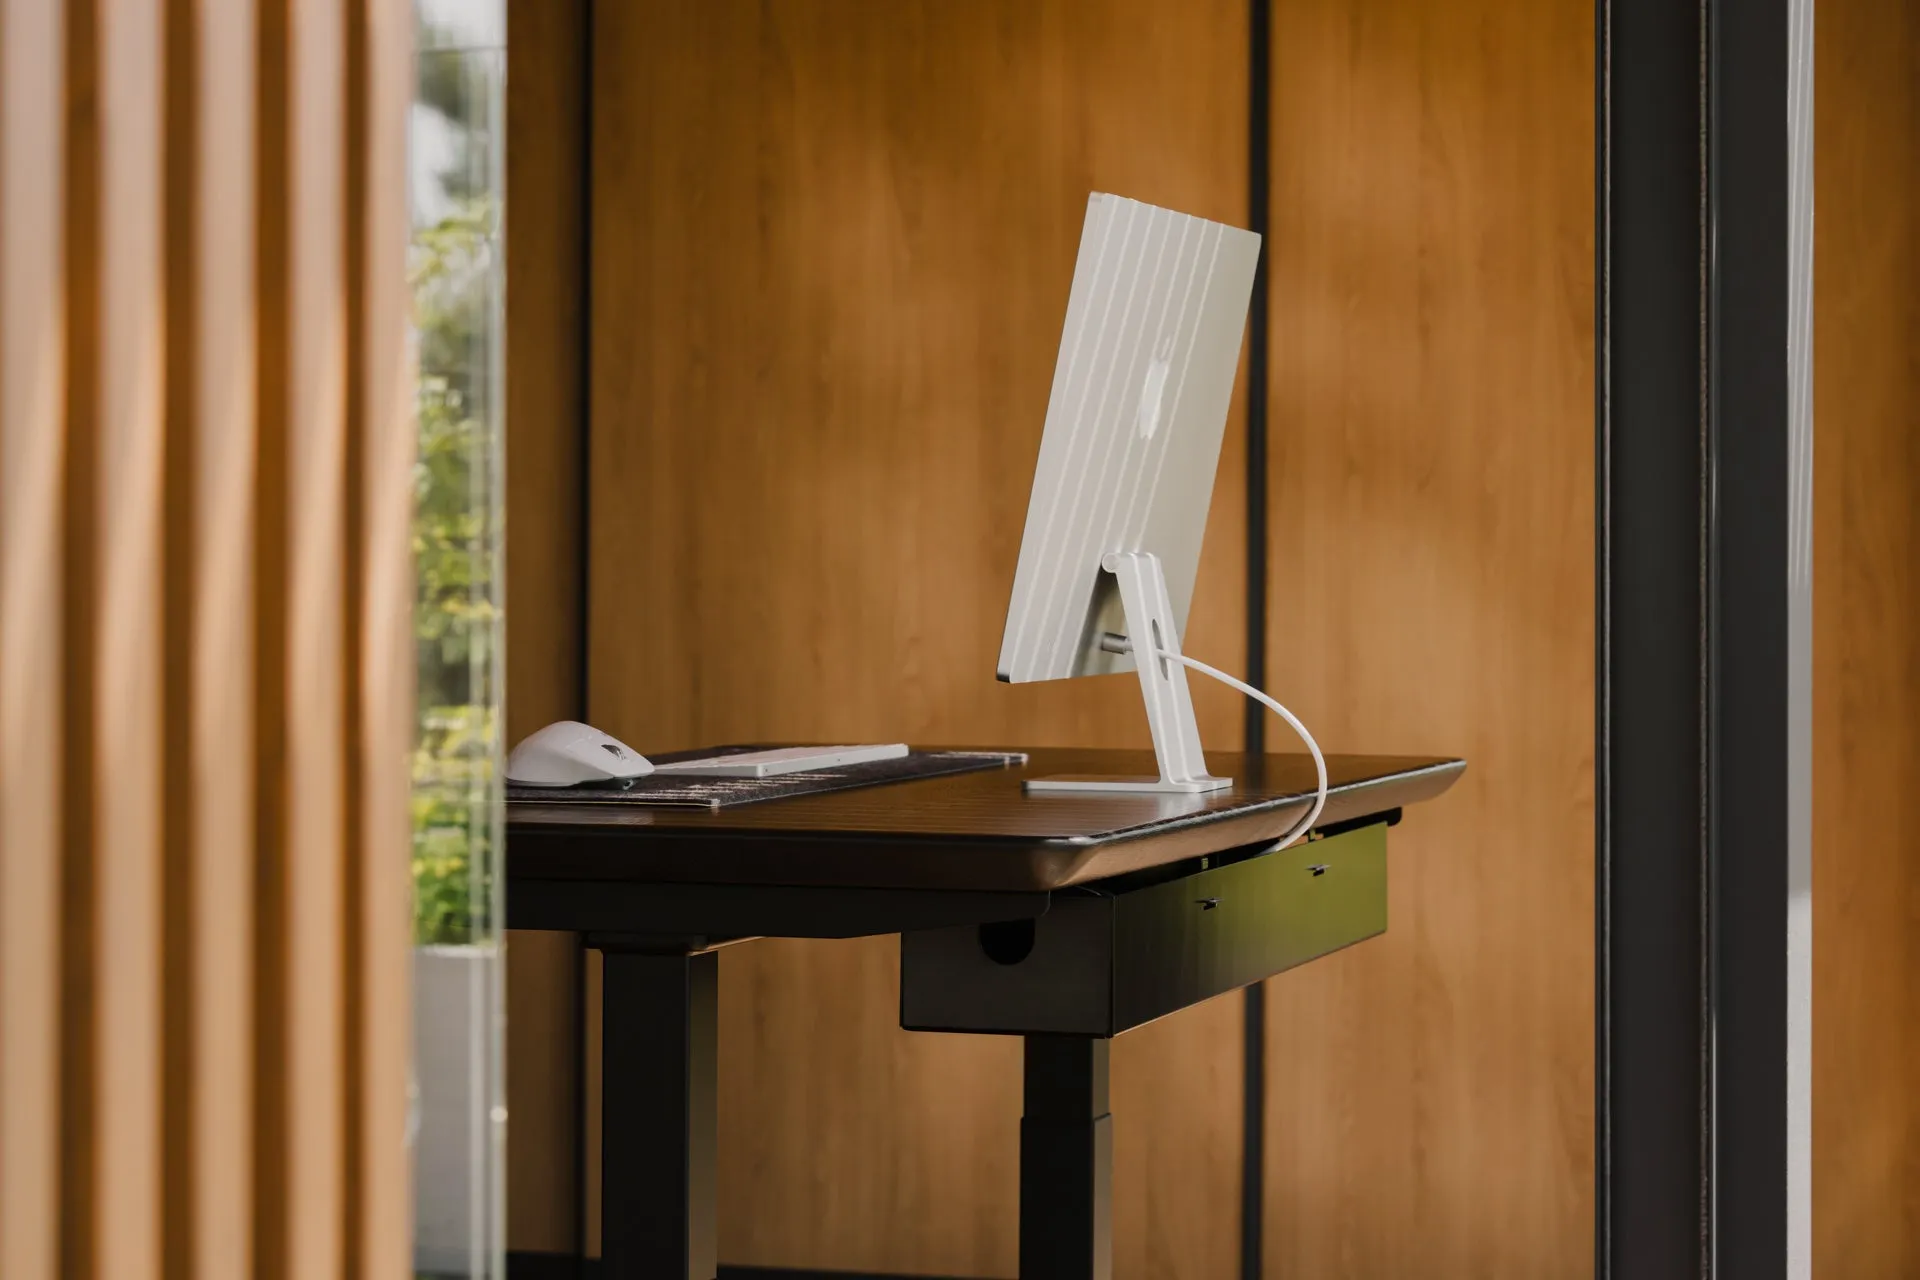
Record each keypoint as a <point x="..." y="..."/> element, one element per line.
<point x="682" y="791"/>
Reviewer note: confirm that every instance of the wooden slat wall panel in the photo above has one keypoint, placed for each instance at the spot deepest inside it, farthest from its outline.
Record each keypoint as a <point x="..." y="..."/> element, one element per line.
<point x="82" y="211"/>
<point x="272" y="235"/>
<point x="832" y="244"/>
<point x="1866" y="582"/>
<point x="316" y="442"/>
<point x="1430" y="1104"/>
<point x="127" y="649"/>
<point x="546" y="401"/>
<point x="32" y="328"/>
<point x="220" y="604"/>
<point x="546" y="425"/>
<point x="379" y="1179"/>
<point x="190" y="570"/>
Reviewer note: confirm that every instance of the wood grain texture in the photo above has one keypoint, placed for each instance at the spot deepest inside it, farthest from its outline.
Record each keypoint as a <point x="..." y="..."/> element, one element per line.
<point x="546" y="149"/>
<point x="381" y="1007"/>
<point x="272" y="479"/>
<point x="545" y="427"/>
<point x="315" y="992"/>
<point x="210" y="389"/>
<point x="1430" y="1105"/>
<point x="127" y="666"/>
<point x="176" y="291"/>
<point x="75" y="561"/>
<point x="832" y="248"/>
<point x="1866" y="582"/>
<point x="32" y="665"/>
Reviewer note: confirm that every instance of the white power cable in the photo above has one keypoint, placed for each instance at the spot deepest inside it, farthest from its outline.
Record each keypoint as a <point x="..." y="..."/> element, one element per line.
<point x="1319" y="761"/>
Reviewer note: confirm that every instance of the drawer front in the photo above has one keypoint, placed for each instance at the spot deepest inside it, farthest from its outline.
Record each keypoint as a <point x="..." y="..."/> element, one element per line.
<point x="1180" y="943"/>
<point x="1099" y="964"/>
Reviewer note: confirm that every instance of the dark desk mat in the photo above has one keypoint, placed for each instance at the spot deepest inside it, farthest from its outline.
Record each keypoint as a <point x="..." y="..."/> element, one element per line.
<point x="678" y="791"/>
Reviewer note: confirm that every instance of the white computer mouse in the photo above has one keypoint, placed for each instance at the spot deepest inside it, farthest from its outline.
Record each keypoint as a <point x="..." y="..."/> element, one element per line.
<point x="568" y="754"/>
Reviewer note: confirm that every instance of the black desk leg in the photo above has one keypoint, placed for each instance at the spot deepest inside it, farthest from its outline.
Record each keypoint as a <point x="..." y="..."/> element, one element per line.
<point x="1066" y="1161"/>
<point x="657" y="1126"/>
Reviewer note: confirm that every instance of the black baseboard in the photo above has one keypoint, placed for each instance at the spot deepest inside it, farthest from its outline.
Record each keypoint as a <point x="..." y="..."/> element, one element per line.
<point x="565" y="1266"/>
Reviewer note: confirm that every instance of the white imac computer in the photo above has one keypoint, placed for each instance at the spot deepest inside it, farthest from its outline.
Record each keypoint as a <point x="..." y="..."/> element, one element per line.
<point x="1141" y="389"/>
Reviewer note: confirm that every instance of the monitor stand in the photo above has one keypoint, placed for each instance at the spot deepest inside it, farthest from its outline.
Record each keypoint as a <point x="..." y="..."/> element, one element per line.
<point x="1163" y="687"/>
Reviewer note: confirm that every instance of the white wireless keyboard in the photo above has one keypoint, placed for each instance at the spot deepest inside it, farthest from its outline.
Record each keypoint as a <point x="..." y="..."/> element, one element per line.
<point x="770" y="764"/>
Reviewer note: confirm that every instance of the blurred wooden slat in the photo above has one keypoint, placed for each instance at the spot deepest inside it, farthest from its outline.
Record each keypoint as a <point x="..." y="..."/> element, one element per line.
<point x="387" y="662"/>
<point x="273" y="406"/>
<point x="316" y="401"/>
<point x="127" y="647"/>
<point x="831" y="255"/>
<point x="180" y="289"/>
<point x="354" y="978"/>
<point x="83" y="216"/>
<point x="222" y="453"/>
<point x="545" y="425"/>
<point x="1866" y="582"/>
<point x="175" y="972"/>
<point x="1430" y="1103"/>
<point x="32" y="324"/>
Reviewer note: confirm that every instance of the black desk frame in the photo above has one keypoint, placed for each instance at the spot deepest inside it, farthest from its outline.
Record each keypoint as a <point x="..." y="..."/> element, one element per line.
<point x="659" y="1130"/>
<point x="659" y="998"/>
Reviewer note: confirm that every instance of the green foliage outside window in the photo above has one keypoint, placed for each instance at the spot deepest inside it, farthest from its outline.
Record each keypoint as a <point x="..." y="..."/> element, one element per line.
<point x="454" y="270"/>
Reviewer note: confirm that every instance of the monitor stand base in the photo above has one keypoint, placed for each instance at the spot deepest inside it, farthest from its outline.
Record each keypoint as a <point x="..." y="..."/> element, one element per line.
<point x="1163" y="687"/>
<point x="1139" y="784"/>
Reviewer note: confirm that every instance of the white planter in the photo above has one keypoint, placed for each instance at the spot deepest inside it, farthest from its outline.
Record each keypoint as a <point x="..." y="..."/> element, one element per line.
<point x="458" y="1113"/>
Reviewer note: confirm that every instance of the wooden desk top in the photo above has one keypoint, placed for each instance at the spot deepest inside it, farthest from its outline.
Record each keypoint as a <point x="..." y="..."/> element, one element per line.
<point x="971" y="831"/>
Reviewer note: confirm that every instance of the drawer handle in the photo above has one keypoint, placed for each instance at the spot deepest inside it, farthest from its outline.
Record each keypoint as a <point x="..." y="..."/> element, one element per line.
<point x="1207" y="904"/>
<point x="1318" y="868"/>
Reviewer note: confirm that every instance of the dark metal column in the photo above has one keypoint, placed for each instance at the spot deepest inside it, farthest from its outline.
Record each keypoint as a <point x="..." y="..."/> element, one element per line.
<point x="1253" y="1024"/>
<point x="657" y="1124"/>
<point x="1754" y="475"/>
<point x="1704" y="458"/>
<point x="1650" y="927"/>
<point x="1066" y="1161"/>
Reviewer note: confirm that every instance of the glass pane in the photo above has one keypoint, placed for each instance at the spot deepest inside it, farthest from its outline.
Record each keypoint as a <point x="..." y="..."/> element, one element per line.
<point x="457" y="271"/>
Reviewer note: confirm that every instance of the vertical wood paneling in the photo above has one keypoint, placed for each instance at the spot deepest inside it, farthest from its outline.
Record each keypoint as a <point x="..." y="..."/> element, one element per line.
<point x="32" y="325"/>
<point x="387" y="668"/>
<point x="1866" y="582"/>
<point x="545" y="426"/>
<point x="221" y="639"/>
<point x="316" y="439"/>
<point x="1430" y="1093"/>
<point x="546" y="151"/>
<point x="273" y="318"/>
<point x="127" y="647"/>
<point x="83" y="216"/>
<point x="353" y="904"/>
<point x="178" y="904"/>
<point x="205" y="658"/>
<point x="832" y="244"/>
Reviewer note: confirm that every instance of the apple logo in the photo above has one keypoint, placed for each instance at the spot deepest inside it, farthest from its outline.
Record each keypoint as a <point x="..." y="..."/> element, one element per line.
<point x="1154" y="390"/>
